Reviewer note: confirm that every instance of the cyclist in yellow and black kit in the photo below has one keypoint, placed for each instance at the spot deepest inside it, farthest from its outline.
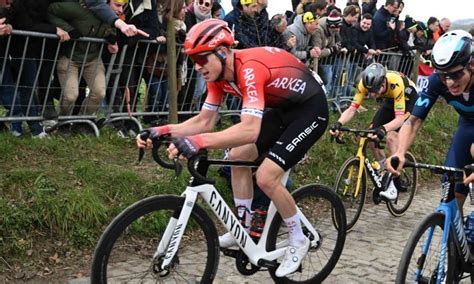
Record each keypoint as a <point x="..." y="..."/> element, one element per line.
<point x="398" y="94"/>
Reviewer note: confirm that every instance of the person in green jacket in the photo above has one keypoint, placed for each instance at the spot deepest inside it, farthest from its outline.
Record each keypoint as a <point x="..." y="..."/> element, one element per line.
<point x="82" y="57"/>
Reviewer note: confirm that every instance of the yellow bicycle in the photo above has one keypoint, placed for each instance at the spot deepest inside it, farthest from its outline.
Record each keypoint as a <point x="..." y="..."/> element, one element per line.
<point x="351" y="181"/>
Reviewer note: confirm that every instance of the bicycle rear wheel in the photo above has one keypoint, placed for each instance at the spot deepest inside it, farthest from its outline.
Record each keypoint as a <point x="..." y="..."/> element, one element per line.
<point x="407" y="190"/>
<point x="346" y="182"/>
<point x="125" y="251"/>
<point x="317" y="203"/>
<point x="421" y="266"/>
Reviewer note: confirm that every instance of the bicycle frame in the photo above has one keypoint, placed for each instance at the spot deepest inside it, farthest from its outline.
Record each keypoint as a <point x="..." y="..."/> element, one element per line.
<point x="452" y="221"/>
<point x="174" y="231"/>
<point x="364" y="162"/>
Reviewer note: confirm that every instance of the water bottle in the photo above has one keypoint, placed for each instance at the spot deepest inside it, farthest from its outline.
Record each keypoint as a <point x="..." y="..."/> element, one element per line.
<point x="375" y="165"/>
<point x="258" y="222"/>
<point x="469" y="228"/>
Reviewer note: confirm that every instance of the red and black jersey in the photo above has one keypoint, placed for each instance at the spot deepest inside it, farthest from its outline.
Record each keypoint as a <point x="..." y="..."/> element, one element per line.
<point x="265" y="77"/>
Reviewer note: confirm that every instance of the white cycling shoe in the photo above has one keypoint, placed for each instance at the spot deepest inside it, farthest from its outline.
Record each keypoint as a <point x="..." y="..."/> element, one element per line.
<point x="391" y="192"/>
<point x="292" y="259"/>
<point x="227" y="241"/>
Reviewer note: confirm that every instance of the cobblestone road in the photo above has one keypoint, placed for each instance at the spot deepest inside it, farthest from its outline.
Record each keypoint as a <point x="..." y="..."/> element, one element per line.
<point x="372" y="250"/>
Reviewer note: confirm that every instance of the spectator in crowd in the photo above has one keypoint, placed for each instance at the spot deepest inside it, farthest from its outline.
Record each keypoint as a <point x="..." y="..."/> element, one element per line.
<point x="352" y="3"/>
<point x="408" y="34"/>
<point x="369" y="6"/>
<point x="19" y="70"/>
<point x="279" y="24"/>
<point x="198" y="11"/>
<point x="85" y="58"/>
<point x="384" y="24"/>
<point x="332" y="6"/>
<point x="156" y="62"/>
<point x="421" y="42"/>
<point x="318" y="7"/>
<point x="363" y="37"/>
<point x="327" y="39"/>
<point x="142" y="14"/>
<point x="250" y="26"/>
<point x="350" y="17"/>
<point x="216" y="10"/>
<point x="190" y="97"/>
<point x="302" y="29"/>
<point x="32" y="15"/>
<point x="444" y="26"/>
<point x="106" y="14"/>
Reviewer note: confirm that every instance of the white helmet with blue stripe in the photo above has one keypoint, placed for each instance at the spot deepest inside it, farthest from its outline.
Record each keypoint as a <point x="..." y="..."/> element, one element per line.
<point x="452" y="49"/>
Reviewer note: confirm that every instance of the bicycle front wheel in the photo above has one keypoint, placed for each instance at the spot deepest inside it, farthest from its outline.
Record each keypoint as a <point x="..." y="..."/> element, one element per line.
<point x="125" y="252"/>
<point x="421" y="257"/>
<point x="346" y="188"/>
<point x="317" y="203"/>
<point x="406" y="190"/>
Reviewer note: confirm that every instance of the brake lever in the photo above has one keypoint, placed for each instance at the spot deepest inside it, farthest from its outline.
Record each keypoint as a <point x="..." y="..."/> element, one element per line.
<point x="178" y="168"/>
<point x="144" y="135"/>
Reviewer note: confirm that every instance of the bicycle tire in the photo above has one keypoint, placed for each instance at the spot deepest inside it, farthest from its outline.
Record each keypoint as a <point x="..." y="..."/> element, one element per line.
<point x="410" y="259"/>
<point x="408" y="179"/>
<point x="353" y="205"/>
<point x="316" y="202"/>
<point x="138" y="229"/>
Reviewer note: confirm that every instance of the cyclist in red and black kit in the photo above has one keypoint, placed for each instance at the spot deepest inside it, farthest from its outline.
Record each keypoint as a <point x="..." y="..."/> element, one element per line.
<point x="263" y="77"/>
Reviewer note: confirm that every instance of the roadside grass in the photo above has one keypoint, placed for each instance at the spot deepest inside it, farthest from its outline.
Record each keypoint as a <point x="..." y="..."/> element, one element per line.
<point x="67" y="189"/>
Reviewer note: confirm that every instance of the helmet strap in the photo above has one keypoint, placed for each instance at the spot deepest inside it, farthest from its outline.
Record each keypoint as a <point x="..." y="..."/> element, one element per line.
<point x="221" y="53"/>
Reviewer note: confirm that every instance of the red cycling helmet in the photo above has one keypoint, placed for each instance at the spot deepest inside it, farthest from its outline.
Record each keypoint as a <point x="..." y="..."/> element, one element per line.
<point x="207" y="35"/>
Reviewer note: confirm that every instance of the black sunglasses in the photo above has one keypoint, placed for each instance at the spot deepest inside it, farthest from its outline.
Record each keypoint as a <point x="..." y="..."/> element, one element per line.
<point x="456" y="75"/>
<point x="204" y="3"/>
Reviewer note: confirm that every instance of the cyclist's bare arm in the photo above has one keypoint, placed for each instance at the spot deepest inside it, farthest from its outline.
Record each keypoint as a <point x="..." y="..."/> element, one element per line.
<point x="345" y="117"/>
<point x="406" y="137"/>
<point x="245" y="132"/>
<point x="201" y="123"/>
<point x="395" y="123"/>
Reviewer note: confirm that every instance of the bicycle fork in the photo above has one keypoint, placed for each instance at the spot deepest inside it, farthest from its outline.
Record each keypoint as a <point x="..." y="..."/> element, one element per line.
<point x="171" y="238"/>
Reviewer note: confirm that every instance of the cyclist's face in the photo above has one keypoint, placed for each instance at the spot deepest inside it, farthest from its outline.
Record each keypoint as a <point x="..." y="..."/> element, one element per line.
<point x="382" y="89"/>
<point x="208" y="65"/>
<point x="456" y="79"/>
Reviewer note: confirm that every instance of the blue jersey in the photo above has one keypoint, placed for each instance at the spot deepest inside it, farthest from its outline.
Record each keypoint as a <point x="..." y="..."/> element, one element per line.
<point x="463" y="104"/>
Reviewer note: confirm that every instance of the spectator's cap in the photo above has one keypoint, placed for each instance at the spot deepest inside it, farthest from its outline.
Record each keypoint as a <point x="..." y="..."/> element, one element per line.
<point x="121" y="1"/>
<point x="410" y="23"/>
<point x="431" y="20"/>
<point x="334" y="19"/>
<point x="277" y="20"/>
<point x="421" y="26"/>
<point x="309" y="17"/>
<point x="207" y="36"/>
<point x="247" y="2"/>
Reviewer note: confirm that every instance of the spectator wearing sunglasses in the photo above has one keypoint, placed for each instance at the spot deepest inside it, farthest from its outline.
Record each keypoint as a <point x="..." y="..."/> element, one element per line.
<point x="452" y="80"/>
<point x="197" y="12"/>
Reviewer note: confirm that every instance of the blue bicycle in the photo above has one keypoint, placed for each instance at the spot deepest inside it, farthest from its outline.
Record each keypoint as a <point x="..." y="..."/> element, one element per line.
<point x="437" y="250"/>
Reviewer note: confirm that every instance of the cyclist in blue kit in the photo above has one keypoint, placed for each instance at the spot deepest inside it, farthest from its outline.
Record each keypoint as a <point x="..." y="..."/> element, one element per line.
<point x="452" y="80"/>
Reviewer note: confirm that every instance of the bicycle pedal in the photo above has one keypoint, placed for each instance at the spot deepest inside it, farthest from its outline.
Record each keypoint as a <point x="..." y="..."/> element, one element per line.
<point x="230" y="252"/>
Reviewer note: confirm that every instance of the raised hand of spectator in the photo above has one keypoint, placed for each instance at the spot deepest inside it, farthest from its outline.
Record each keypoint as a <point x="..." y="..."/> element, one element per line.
<point x="291" y="42"/>
<point x="5" y="29"/>
<point x="371" y="52"/>
<point x="129" y="30"/>
<point x="62" y="34"/>
<point x="113" y="48"/>
<point x="391" y="25"/>
<point x="314" y="52"/>
<point x="161" y="39"/>
<point x="378" y="51"/>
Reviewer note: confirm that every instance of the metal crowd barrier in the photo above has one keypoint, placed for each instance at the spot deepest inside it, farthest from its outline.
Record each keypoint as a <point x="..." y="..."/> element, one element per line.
<point x="134" y="79"/>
